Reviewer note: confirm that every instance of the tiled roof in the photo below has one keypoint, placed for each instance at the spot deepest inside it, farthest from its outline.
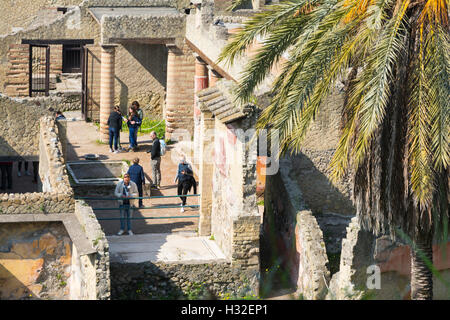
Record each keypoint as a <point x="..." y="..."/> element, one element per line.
<point x="219" y="101"/>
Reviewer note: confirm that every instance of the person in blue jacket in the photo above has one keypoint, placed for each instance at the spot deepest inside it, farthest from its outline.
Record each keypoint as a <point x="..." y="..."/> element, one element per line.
<point x="136" y="173"/>
<point x="186" y="180"/>
<point x="133" y="123"/>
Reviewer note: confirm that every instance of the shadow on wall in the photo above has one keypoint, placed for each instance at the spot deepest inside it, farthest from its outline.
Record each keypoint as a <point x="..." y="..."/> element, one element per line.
<point x="7" y="153"/>
<point x="123" y="100"/>
<point x="153" y="58"/>
<point x="35" y="260"/>
<point x="12" y="288"/>
<point x="318" y="192"/>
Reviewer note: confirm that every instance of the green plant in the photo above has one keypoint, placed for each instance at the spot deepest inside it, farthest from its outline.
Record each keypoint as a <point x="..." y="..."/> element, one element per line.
<point x="100" y="142"/>
<point x="149" y="125"/>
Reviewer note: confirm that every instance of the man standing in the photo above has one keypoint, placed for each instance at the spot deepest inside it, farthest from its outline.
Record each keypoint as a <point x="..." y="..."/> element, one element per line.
<point x="115" y="125"/>
<point x="155" y="161"/>
<point x="136" y="173"/>
<point x="6" y="169"/>
<point x="125" y="190"/>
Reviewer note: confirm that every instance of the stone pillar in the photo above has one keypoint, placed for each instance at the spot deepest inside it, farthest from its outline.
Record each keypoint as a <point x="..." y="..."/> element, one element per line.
<point x="258" y="4"/>
<point x="206" y="169"/>
<point x="17" y="75"/>
<point x="214" y="76"/>
<point x="178" y="111"/>
<point x="107" y="73"/>
<point x="201" y="82"/>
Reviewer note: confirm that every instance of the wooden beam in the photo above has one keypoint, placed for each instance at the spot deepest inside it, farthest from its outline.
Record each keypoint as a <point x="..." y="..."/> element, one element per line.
<point x="41" y="42"/>
<point x="211" y="63"/>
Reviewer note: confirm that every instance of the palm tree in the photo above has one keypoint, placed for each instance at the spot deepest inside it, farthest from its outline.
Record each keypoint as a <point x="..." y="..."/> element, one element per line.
<point x="394" y="58"/>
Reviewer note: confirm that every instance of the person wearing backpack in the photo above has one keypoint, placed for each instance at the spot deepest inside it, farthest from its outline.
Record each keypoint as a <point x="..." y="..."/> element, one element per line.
<point x="155" y="161"/>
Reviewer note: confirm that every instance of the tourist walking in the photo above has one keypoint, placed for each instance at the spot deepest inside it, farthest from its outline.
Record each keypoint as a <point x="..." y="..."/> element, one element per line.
<point x="186" y="180"/>
<point x="133" y="123"/>
<point x="136" y="173"/>
<point x="6" y="170"/>
<point x="19" y="168"/>
<point x="125" y="190"/>
<point x="115" y="125"/>
<point x="155" y="161"/>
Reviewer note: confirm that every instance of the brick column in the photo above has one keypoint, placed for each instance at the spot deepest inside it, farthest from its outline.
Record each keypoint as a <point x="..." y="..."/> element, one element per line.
<point x="201" y="82"/>
<point x="206" y="169"/>
<point x="17" y="74"/>
<point x="214" y="76"/>
<point x="107" y="72"/>
<point x="178" y="111"/>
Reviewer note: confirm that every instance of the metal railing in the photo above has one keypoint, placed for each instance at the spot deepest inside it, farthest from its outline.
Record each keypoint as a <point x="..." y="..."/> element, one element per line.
<point x="143" y="208"/>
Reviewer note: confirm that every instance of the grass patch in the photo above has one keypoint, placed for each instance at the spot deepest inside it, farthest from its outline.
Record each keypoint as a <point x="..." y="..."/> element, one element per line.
<point x="149" y="125"/>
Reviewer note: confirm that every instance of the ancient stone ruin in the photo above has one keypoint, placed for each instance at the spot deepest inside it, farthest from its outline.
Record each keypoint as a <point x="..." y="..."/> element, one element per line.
<point x="261" y="214"/>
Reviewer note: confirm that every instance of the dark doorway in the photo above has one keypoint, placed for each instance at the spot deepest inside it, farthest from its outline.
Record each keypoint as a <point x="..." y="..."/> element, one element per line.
<point x="39" y="69"/>
<point x="71" y="58"/>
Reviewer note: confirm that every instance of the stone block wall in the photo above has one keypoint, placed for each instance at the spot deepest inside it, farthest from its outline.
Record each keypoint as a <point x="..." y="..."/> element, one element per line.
<point x="311" y="165"/>
<point x="19" y="136"/>
<point x="140" y="75"/>
<point x="56" y="195"/>
<point x="13" y="15"/>
<point x="77" y="23"/>
<point x="93" y="271"/>
<point x="148" y="280"/>
<point x="291" y="233"/>
<point x="235" y="219"/>
<point x="363" y="255"/>
<point x="35" y="261"/>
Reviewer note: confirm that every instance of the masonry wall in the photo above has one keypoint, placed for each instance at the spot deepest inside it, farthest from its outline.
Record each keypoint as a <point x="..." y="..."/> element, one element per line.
<point x="19" y="133"/>
<point x="51" y="248"/>
<point x="220" y="280"/>
<point x="91" y="274"/>
<point x="56" y="195"/>
<point x="141" y="69"/>
<point x="361" y="250"/>
<point x="77" y="23"/>
<point x="141" y="75"/>
<point x="13" y="15"/>
<point x="35" y="261"/>
<point x="235" y="220"/>
<point x="292" y="237"/>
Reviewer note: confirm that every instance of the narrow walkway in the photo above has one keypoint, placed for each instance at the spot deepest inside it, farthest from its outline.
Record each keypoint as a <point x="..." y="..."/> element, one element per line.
<point x="183" y="247"/>
<point x="83" y="139"/>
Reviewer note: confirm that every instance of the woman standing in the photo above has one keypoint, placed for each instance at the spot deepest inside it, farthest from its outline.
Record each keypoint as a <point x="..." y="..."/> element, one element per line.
<point x="133" y="123"/>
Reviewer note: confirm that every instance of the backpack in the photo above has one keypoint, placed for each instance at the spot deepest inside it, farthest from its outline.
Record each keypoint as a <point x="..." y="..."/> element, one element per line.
<point x="162" y="144"/>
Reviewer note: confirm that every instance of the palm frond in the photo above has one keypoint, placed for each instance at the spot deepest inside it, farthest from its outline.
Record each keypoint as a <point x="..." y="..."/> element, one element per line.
<point x="378" y="75"/>
<point x="258" y="26"/>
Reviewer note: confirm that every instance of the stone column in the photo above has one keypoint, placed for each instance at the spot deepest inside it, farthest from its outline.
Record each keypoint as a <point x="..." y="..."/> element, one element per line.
<point x="107" y="73"/>
<point x="178" y="111"/>
<point x="214" y="76"/>
<point x="201" y="82"/>
<point x="206" y="169"/>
